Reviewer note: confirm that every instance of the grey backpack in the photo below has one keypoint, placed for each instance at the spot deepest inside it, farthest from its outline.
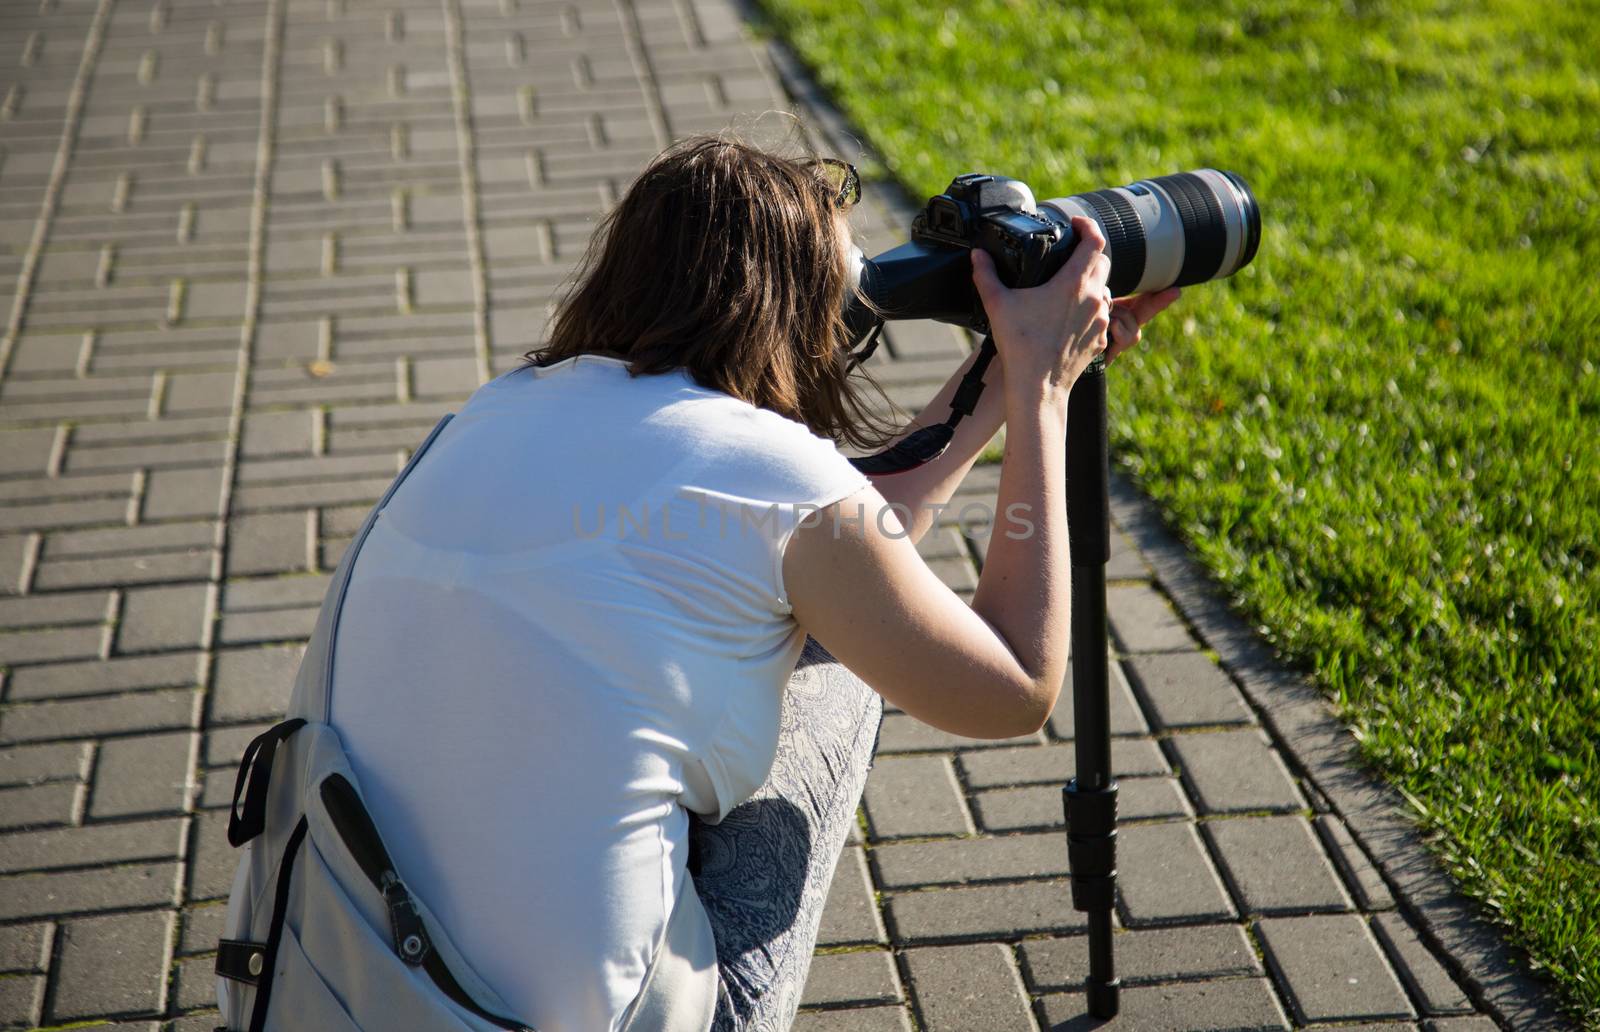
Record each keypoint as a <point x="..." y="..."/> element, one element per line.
<point x="321" y="932"/>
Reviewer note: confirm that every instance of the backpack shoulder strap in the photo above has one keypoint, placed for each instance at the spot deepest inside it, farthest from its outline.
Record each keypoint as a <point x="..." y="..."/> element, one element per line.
<point x="313" y="684"/>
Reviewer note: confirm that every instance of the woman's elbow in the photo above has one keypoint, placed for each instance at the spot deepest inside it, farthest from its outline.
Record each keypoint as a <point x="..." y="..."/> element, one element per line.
<point x="1030" y="710"/>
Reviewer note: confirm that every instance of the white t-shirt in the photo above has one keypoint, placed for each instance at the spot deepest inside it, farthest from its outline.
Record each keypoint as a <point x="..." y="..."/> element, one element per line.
<point x="567" y="626"/>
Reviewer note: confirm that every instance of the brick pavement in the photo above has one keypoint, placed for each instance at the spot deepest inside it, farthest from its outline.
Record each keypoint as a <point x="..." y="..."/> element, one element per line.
<point x="251" y="253"/>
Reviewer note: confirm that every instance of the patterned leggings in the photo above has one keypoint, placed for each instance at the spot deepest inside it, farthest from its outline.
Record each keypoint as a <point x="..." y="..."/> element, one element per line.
<point x="763" y="872"/>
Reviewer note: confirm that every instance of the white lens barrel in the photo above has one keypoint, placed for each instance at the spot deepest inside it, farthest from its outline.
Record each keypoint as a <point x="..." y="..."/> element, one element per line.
<point x="1193" y="227"/>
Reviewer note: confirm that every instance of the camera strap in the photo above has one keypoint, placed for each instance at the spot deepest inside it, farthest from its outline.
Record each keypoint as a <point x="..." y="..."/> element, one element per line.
<point x="925" y="444"/>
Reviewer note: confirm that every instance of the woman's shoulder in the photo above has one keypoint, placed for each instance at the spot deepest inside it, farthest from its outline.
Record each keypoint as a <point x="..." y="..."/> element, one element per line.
<point x="780" y="457"/>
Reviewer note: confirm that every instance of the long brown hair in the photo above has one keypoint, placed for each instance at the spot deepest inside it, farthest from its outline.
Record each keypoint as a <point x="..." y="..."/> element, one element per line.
<point x="725" y="260"/>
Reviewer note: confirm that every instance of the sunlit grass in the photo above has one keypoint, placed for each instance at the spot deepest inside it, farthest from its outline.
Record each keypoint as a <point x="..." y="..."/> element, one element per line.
<point x="1384" y="437"/>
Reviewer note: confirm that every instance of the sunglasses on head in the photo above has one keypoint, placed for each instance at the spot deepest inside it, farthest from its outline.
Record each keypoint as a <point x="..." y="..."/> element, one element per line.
<point x="843" y="178"/>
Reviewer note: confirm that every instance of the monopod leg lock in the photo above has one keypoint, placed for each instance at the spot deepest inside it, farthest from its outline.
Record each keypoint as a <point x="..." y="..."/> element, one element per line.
<point x="1091" y="816"/>
<point x="1091" y="844"/>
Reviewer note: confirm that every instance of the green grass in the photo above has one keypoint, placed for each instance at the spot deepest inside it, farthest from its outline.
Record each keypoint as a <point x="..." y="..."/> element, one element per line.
<point x="1383" y="438"/>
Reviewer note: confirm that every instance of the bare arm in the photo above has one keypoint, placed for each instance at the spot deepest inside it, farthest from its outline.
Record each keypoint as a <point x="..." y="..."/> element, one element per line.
<point x="994" y="669"/>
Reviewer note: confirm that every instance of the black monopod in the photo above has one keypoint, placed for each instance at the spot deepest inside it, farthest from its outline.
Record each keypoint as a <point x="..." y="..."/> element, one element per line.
<point x="1090" y="798"/>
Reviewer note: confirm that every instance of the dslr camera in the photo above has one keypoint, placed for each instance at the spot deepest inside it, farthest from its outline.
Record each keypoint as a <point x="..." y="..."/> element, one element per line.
<point x="1168" y="231"/>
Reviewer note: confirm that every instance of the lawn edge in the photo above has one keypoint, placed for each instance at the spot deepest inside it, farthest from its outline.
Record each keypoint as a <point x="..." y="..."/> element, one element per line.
<point x="1323" y="753"/>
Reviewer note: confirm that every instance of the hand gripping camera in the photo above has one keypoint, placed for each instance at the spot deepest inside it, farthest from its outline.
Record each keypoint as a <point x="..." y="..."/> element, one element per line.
<point x="1173" y="230"/>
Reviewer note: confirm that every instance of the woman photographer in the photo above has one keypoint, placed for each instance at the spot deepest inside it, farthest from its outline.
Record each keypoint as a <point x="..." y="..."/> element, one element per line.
<point x="649" y="612"/>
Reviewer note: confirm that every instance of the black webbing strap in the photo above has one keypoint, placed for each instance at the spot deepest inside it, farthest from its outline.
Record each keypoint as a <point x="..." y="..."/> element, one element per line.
<point x="257" y="766"/>
<point x="928" y="443"/>
<point x="280" y="906"/>
<point x="241" y="960"/>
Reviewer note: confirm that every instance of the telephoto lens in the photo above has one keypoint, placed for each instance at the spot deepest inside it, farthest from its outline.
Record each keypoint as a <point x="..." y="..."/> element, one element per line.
<point x="1174" y="230"/>
<point x="1170" y="231"/>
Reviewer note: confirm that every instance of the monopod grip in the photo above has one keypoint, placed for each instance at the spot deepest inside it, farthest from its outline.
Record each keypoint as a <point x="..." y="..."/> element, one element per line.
<point x="1088" y="469"/>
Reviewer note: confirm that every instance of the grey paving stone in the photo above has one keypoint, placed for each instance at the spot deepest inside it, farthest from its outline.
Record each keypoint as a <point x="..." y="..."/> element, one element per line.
<point x="268" y="625"/>
<point x="25" y="947"/>
<point x="1142" y="621"/>
<point x="198" y="393"/>
<point x="175" y="617"/>
<point x="1164" y="876"/>
<point x="975" y="859"/>
<point x="904" y="733"/>
<point x="1125" y="715"/>
<point x="983" y="911"/>
<point x="1234" y="772"/>
<point x="288" y="471"/>
<point x="121" y="570"/>
<point x="195" y="983"/>
<point x="52" y="761"/>
<point x="201" y="926"/>
<point x="94" y="677"/>
<point x="1054" y="764"/>
<point x="270" y="497"/>
<point x="278" y="433"/>
<point x="277" y="542"/>
<point x="1148" y="955"/>
<point x="224" y="747"/>
<point x="444" y="377"/>
<point x="216" y="789"/>
<point x="1017" y="809"/>
<point x="89" y="718"/>
<point x="923" y="338"/>
<point x="1234" y="1005"/>
<point x="161" y="455"/>
<point x="149" y="430"/>
<point x="1186" y="689"/>
<point x="147" y="539"/>
<point x="1418" y="968"/>
<point x="858" y="977"/>
<point x="1475" y="1023"/>
<point x="1125" y="563"/>
<point x="182" y="493"/>
<point x="26" y="451"/>
<point x="117" y="842"/>
<point x="21" y="997"/>
<point x="56" y="893"/>
<point x="88" y="485"/>
<point x="1276" y="865"/>
<point x="1360" y="877"/>
<point x="915" y="795"/>
<point x="850" y="917"/>
<point x="113" y="965"/>
<point x="275" y="592"/>
<point x="253" y="683"/>
<point x="88" y="512"/>
<point x="212" y="861"/>
<point x="1332" y="968"/>
<point x="51" y="643"/>
<point x="148" y="774"/>
<point x="28" y="806"/>
<point x="855" y="1019"/>
<point x="968" y="987"/>
<point x="67" y="607"/>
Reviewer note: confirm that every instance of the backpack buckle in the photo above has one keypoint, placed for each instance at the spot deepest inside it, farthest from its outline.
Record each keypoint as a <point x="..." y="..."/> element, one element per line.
<point x="410" y="937"/>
